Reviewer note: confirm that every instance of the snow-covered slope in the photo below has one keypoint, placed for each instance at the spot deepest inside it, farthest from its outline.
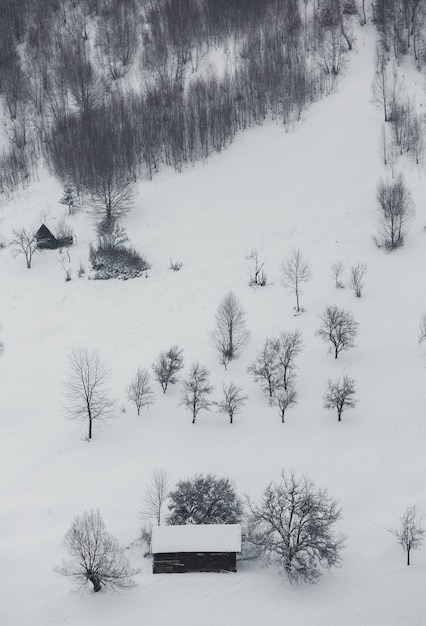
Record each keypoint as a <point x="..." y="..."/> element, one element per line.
<point x="312" y="188"/>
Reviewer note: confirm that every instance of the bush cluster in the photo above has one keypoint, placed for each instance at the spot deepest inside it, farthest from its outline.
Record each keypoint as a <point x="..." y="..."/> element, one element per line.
<point x="112" y="262"/>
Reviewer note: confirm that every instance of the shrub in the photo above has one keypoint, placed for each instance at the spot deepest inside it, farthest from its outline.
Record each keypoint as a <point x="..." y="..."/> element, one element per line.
<point x="117" y="262"/>
<point x="64" y="235"/>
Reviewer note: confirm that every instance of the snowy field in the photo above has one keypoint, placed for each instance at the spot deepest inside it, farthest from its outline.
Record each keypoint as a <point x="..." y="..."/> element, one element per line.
<point x="312" y="188"/>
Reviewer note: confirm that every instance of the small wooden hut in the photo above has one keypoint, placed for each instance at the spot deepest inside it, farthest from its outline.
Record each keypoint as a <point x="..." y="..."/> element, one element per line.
<point x="195" y="548"/>
<point x="46" y="240"/>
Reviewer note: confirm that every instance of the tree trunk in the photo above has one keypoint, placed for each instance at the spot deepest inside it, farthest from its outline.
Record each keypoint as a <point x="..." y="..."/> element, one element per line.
<point x="90" y="427"/>
<point x="408" y="556"/>
<point x="95" y="582"/>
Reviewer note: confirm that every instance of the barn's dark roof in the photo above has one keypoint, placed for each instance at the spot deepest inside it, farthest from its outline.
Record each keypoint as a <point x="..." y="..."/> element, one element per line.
<point x="196" y="538"/>
<point x="44" y="233"/>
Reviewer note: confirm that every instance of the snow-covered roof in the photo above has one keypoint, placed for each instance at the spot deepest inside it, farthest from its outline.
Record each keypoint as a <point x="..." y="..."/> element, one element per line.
<point x="197" y="538"/>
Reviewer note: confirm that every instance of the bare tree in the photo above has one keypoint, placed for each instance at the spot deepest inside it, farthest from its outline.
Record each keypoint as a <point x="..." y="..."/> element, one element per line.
<point x="339" y="328"/>
<point x="156" y="494"/>
<point x="82" y="79"/>
<point x="112" y="192"/>
<point x="257" y="275"/>
<point x="361" y="14"/>
<point x="293" y="527"/>
<point x="117" y="37"/>
<point x="167" y="367"/>
<point x="288" y="346"/>
<point x="230" y="335"/>
<point x="330" y="55"/>
<point x="265" y="369"/>
<point x="24" y="242"/>
<point x="418" y="138"/>
<point x="87" y="388"/>
<point x="197" y="390"/>
<point x="356" y="278"/>
<point x="396" y="209"/>
<point x="96" y="556"/>
<point x="381" y="83"/>
<point x="339" y="395"/>
<point x="285" y="399"/>
<point x="384" y="147"/>
<point x="205" y="500"/>
<point x="410" y="533"/>
<point x="295" y="271"/>
<point x="232" y="401"/>
<point x="140" y="391"/>
<point x="337" y="270"/>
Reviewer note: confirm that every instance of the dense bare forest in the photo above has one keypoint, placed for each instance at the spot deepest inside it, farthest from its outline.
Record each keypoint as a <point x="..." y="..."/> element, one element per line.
<point x="106" y="91"/>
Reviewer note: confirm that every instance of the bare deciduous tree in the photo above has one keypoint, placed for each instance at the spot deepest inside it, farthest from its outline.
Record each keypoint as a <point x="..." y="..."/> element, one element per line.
<point x="205" y="500"/>
<point x="87" y="388"/>
<point x="339" y="328"/>
<point x="295" y="271"/>
<point x="339" y="395"/>
<point x="330" y="55"/>
<point x="257" y="275"/>
<point x="288" y="346"/>
<point x="232" y="401"/>
<point x="24" y="242"/>
<point x="356" y="278"/>
<point x="112" y="193"/>
<point x="117" y="37"/>
<point x="396" y="209"/>
<point x="230" y="335"/>
<point x="96" y="556"/>
<point x="382" y="83"/>
<point x="197" y="390"/>
<point x="275" y="365"/>
<point x="156" y="494"/>
<point x="337" y="270"/>
<point x="293" y="527"/>
<point x="139" y="391"/>
<point x="285" y="399"/>
<point x="410" y="533"/>
<point x="265" y="369"/>
<point x="167" y="367"/>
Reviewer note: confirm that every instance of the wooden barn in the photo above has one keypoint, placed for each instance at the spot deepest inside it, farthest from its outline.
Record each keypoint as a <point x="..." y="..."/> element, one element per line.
<point x="196" y="548"/>
<point x="46" y="240"/>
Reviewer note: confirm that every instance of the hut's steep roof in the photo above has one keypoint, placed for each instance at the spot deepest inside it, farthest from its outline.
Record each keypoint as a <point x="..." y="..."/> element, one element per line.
<point x="44" y="233"/>
<point x="196" y="538"/>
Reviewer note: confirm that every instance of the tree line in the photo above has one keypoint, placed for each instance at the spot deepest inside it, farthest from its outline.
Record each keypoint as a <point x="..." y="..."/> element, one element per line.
<point x="292" y="525"/>
<point x="65" y="64"/>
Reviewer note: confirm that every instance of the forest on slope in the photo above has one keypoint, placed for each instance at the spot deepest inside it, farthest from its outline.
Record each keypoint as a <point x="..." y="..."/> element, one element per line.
<point x="106" y="91"/>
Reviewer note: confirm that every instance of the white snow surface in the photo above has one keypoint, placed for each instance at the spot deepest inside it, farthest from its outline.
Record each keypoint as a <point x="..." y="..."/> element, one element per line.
<point x="312" y="188"/>
<point x="196" y="538"/>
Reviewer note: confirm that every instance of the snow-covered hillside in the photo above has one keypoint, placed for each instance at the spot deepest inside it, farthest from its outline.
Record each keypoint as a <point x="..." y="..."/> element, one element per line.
<point x="312" y="188"/>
